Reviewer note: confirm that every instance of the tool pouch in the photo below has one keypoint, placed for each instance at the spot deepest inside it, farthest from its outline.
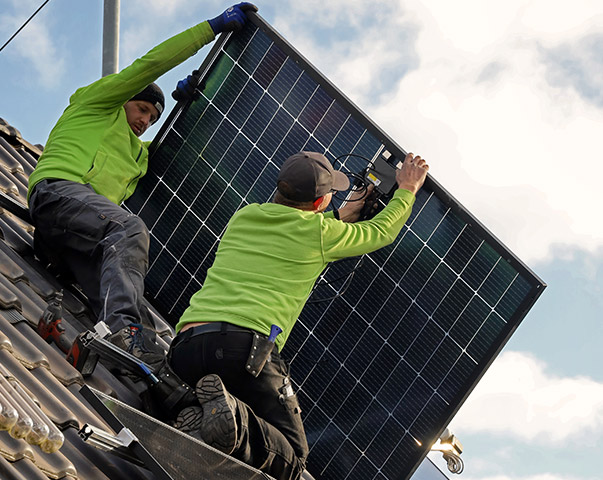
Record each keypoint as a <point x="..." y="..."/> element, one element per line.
<point x="259" y="354"/>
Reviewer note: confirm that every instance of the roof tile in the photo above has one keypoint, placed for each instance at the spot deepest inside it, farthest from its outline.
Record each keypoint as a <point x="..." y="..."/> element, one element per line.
<point x="47" y="399"/>
<point x="23" y="350"/>
<point x="5" y="343"/>
<point x="9" y="268"/>
<point x="14" y="449"/>
<point x="41" y="368"/>
<point x="8" y="298"/>
<point x="28" y="470"/>
<point x="14" y="238"/>
<point x="8" y="472"/>
<point x="59" y="367"/>
<point x="32" y="306"/>
<point x="62" y="397"/>
<point x="40" y="281"/>
<point x="7" y="185"/>
<point x="9" y="158"/>
<point x="54" y="465"/>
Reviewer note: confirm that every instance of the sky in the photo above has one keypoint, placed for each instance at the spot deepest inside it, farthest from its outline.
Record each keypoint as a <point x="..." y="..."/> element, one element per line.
<point x="503" y="99"/>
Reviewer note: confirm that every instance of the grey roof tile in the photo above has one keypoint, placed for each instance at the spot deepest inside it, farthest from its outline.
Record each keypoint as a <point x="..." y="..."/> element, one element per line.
<point x="28" y="161"/>
<point x="54" y="465"/>
<point x="9" y="268"/>
<point x="7" y="185"/>
<point x="77" y="309"/>
<point x="14" y="238"/>
<point x="32" y="305"/>
<point x="7" y="472"/>
<point x="19" y="226"/>
<point x="28" y="470"/>
<point x="59" y="367"/>
<point x="20" y="150"/>
<point x="44" y="284"/>
<point x="22" y="349"/>
<point x="5" y="342"/>
<point x="14" y="449"/>
<point x="41" y="368"/>
<point x="48" y="399"/>
<point x="9" y="158"/>
<point x="23" y="339"/>
<point x="8" y="298"/>
<point x="79" y="413"/>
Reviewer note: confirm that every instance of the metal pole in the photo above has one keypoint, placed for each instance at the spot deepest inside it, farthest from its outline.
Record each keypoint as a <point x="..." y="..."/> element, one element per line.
<point x="110" y="37"/>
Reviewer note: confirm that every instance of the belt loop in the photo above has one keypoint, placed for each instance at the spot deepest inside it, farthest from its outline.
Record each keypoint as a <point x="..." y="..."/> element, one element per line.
<point x="223" y="328"/>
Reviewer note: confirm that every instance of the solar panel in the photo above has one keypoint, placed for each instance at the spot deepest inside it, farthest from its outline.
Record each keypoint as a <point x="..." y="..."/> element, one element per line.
<point x="383" y="367"/>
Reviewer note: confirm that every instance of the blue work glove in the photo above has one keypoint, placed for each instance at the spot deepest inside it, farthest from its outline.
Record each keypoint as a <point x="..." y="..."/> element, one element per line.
<point x="186" y="89"/>
<point x="233" y="18"/>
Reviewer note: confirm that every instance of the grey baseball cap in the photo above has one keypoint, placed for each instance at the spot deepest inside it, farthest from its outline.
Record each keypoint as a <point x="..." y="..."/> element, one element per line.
<point x="309" y="175"/>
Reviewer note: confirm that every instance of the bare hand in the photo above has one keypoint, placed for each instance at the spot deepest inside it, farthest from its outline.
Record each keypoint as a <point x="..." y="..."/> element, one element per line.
<point x="350" y="212"/>
<point x="412" y="174"/>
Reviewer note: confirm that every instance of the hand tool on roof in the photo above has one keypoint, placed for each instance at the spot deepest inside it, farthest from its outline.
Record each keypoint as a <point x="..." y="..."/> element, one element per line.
<point x="50" y="327"/>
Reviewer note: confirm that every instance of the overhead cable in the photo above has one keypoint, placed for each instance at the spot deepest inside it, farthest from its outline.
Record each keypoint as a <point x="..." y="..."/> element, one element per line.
<point x="23" y="26"/>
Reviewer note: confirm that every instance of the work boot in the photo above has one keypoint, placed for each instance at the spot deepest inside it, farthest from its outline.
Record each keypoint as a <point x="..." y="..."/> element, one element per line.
<point x="131" y="339"/>
<point x="218" y="424"/>
<point x="189" y="421"/>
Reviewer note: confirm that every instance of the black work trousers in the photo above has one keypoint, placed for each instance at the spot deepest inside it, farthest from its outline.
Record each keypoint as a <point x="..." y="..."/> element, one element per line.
<point x="271" y="435"/>
<point x="102" y="245"/>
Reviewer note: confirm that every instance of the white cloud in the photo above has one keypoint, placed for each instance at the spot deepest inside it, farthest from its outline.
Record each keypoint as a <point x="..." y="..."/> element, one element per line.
<point x="518" y="398"/>
<point x="362" y="57"/>
<point x="472" y="93"/>
<point x="541" y="476"/>
<point x="156" y="8"/>
<point x="163" y="19"/>
<point x="559" y="19"/>
<point x="515" y="149"/>
<point x="34" y="44"/>
<point x="515" y="133"/>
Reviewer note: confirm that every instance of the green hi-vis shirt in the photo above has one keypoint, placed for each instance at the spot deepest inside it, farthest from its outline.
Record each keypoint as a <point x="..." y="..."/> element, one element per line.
<point x="92" y="141"/>
<point x="271" y="255"/>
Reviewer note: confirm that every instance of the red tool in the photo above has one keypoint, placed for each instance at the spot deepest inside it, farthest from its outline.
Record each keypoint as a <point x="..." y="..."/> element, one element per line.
<point x="50" y="327"/>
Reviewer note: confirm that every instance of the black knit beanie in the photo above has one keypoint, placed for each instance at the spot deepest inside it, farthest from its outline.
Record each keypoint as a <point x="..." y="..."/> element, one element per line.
<point x="153" y="94"/>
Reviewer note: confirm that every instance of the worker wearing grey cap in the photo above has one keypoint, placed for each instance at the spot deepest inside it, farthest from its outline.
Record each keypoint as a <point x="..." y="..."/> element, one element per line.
<point x="230" y="337"/>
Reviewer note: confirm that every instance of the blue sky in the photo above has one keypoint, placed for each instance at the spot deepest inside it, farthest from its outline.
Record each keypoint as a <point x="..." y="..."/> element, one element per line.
<point x="503" y="99"/>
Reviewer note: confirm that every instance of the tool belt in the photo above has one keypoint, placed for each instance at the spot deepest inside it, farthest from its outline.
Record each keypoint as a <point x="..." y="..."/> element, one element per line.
<point x="261" y="346"/>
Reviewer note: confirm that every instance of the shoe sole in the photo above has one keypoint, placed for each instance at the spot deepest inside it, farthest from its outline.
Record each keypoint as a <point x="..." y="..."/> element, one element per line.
<point x="189" y="419"/>
<point x="218" y="425"/>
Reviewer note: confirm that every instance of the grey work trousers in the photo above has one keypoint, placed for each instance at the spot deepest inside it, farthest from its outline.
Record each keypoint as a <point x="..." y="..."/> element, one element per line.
<point x="102" y="245"/>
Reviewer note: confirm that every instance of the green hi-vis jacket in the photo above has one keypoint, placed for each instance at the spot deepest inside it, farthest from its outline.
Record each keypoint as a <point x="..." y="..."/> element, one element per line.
<point x="92" y="141"/>
<point x="271" y="255"/>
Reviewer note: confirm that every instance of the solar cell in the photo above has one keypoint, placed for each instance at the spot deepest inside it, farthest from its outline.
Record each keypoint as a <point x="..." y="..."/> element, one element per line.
<point x="383" y="367"/>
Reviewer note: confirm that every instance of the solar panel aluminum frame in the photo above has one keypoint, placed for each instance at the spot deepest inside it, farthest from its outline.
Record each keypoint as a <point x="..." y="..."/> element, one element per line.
<point x="537" y="285"/>
<point x="192" y="458"/>
<point x="137" y="449"/>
